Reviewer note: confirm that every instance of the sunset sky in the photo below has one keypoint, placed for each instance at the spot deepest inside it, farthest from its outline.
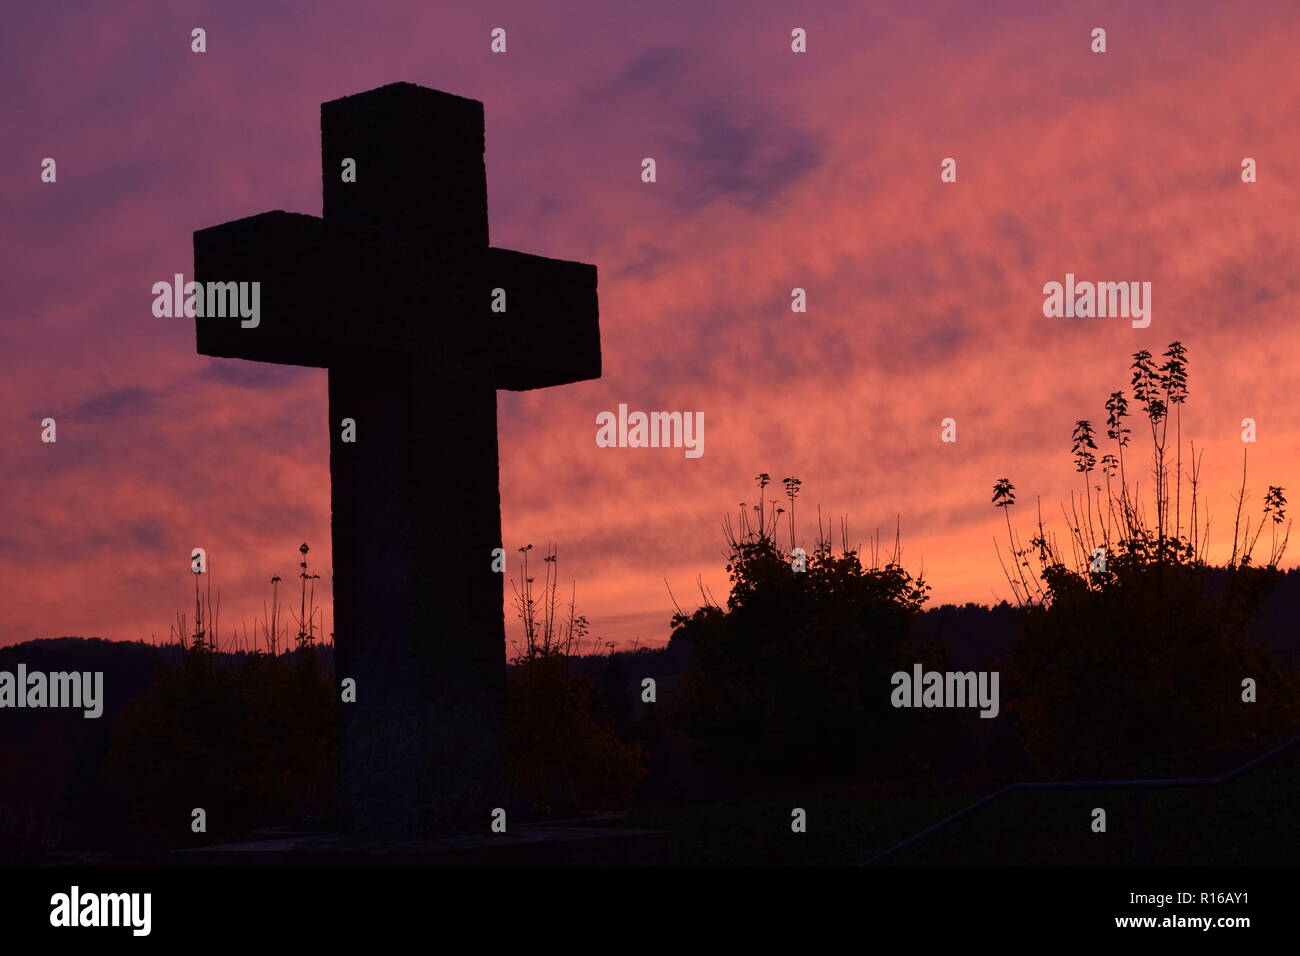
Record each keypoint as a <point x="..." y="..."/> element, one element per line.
<point x="775" y="170"/>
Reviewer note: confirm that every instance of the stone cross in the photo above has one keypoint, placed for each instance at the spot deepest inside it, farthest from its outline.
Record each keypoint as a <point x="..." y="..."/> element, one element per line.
<point x="397" y="292"/>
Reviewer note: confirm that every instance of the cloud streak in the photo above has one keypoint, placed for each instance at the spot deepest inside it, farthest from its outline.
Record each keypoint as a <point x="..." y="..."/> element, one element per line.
<point x="776" y="171"/>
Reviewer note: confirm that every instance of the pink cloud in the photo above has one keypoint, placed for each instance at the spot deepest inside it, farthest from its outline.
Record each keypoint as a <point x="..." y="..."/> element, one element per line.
<point x="775" y="171"/>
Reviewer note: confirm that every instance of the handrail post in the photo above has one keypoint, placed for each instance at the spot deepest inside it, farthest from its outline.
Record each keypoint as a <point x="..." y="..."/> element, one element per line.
<point x="1139" y="826"/>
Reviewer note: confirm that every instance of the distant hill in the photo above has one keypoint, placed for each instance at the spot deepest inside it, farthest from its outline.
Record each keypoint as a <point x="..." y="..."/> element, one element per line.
<point x="50" y="758"/>
<point x="41" y="749"/>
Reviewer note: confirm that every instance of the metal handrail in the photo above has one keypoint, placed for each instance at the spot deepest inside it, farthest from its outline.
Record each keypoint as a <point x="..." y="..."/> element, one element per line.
<point x="1090" y="784"/>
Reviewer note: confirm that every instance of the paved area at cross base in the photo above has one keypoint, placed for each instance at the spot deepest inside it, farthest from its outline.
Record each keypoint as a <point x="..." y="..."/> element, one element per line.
<point x="558" y="843"/>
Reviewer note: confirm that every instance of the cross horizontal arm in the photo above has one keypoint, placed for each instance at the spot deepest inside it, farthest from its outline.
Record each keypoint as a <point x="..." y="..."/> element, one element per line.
<point x="327" y="291"/>
<point x="550" y="331"/>
<point x="332" y="293"/>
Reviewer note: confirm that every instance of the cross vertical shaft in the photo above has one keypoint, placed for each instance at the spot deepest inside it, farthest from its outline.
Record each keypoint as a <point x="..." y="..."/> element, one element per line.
<point x="415" y="499"/>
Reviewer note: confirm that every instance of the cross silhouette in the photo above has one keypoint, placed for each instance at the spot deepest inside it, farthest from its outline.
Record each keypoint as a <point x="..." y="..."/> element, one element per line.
<point x="393" y="292"/>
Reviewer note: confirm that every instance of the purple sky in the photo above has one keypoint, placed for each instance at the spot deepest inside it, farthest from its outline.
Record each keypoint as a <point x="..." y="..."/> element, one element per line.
<point x="775" y="170"/>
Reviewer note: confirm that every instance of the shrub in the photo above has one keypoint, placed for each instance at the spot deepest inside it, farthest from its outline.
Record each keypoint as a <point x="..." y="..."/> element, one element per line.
<point x="252" y="744"/>
<point x="560" y="757"/>
<point x="792" y="679"/>
<point x="1134" y="647"/>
